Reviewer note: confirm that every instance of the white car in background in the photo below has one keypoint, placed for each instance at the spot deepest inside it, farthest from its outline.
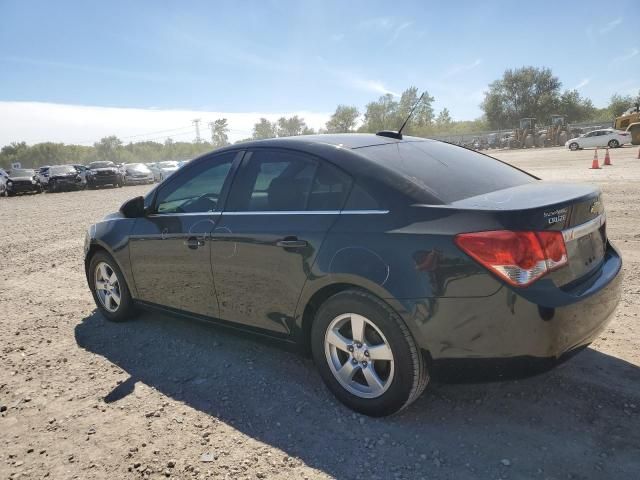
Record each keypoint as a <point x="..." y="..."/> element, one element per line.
<point x="606" y="137"/>
<point x="162" y="170"/>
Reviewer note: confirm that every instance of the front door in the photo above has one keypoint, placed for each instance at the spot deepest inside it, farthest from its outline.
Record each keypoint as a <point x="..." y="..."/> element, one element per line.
<point x="279" y="209"/>
<point x="170" y="248"/>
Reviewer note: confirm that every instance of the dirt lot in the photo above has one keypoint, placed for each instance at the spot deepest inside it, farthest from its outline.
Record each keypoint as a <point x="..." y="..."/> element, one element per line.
<point x="84" y="398"/>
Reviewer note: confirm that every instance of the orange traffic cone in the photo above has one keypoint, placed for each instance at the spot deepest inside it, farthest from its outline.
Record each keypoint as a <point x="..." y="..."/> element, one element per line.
<point x="595" y="165"/>
<point x="607" y="159"/>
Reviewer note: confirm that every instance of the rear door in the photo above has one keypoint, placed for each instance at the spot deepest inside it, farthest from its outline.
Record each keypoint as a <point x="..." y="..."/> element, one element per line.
<point x="280" y="207"/>
<point x="170" y="249"/>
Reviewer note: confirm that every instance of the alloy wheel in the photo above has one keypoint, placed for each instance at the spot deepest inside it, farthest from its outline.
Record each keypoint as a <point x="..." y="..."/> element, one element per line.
<point x="359" y="355"/>
<point x="107" y="287"/>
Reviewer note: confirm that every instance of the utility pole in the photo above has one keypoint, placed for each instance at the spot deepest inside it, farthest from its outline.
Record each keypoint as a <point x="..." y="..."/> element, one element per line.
<point x="213" y="138"/>
<point x="196" y="123"/>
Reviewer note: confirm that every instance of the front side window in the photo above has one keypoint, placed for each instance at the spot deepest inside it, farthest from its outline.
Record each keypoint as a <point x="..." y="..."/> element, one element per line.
<point x="274" y="180"/>
<point x="197" y="189"/>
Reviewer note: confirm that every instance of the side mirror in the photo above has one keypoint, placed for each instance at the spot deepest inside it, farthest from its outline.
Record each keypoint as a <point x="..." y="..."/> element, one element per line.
<point x="133" y="208"/>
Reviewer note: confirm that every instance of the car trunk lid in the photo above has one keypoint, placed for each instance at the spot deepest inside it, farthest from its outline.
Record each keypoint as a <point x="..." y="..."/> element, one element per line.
<point x="574" y="209"/>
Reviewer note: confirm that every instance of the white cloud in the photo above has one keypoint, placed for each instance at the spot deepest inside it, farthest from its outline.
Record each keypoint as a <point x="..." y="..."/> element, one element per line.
<point x="583" y="83"/>
<point x="35" y="122"/>
<point x="354" y="80"/>
<point x="627" y="56"/>
<point x="610" y="25"/>
<point x="458" y="69"/>
<point x="384" y="23"/>
<point x="398" y="31"/>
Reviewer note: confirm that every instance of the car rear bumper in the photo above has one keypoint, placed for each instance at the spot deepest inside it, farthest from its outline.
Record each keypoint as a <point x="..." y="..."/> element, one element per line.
<point x="138" y="180"/>
<point x="506" y="324"/>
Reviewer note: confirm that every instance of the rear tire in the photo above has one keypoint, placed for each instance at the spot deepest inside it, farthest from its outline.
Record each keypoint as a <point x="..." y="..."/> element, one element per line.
<point x="375" y="384"/>
<point x="109" y="288"/>
<point x="574" y="146"/>
<point x="614" y="143"/>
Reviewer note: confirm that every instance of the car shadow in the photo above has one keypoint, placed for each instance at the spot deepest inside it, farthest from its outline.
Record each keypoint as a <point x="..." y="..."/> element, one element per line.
<point x="580" y="420"/>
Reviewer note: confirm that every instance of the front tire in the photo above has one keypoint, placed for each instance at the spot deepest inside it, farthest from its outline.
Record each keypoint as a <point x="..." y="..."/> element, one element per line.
<point x="574" y="146"/>
<point x="366" y="355"/>
<point x="614" y="143"/>
<point x="109" y="288"/>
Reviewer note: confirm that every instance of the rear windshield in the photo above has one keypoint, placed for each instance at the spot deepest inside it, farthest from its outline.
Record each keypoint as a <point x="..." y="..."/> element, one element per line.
<point x="449" y="172"/>
<point x="60" y="170"/>
<point x="101" y="165"/>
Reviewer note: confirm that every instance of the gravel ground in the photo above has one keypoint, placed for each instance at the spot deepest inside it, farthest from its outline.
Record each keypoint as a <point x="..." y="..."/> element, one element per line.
<point x="163" y="397"/>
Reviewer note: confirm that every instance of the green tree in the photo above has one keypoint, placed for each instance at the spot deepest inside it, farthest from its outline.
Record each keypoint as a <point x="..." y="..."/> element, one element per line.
<point x="109" y="148"/>
<point x="423" y="114"/>
<point x="292" y="126"/>
<point x="523" y="92"/>
<point x="380" y="115"/>
<point x="220" y="133"/>
<point x="343" y="120"/>
<point x="264" y="129"/>
<point x="444" y="121"/>
<point x="618" y="104"/>
<point x="575" y="107"/>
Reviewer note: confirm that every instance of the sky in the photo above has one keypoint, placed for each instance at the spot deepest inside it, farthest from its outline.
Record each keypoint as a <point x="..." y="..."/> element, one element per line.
<point x="74" y="71"/>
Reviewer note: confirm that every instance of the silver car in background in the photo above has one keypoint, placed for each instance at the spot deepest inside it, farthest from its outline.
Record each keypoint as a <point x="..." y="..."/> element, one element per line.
<point x="137" y="174"/>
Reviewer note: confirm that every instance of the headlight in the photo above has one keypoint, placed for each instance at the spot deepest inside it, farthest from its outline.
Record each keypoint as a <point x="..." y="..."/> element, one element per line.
<point x="33" y="182"/>
<point x="9" y="183"/>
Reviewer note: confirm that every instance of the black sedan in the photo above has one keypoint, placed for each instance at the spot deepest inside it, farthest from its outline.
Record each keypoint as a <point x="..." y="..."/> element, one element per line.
<point x="101" y="174"/>
<point x="64" y="177"/>
<point x="380" y="255"/>
<point x="22" y="180"/>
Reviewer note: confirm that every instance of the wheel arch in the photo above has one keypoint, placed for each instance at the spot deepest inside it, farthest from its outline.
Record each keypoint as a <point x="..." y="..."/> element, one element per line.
<point x="313" y="301"/>
<point x="95" y="247"/>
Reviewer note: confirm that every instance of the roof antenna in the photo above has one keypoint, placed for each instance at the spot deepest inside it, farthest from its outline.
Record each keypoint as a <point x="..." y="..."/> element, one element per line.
<point x="398" y="135"/>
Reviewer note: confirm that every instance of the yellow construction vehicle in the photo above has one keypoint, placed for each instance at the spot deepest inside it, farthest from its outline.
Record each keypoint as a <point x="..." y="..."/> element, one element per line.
<point x="525" y="136"/>
<point x="557" y="132"/>
<point x="630" y="122"/>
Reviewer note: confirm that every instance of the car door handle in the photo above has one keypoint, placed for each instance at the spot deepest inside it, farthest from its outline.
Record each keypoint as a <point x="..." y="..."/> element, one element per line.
<point x="193" y="242"/>
<point x="291" y="242"/>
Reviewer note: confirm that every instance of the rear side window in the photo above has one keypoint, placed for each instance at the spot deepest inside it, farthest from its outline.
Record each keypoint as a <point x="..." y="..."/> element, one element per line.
<point x="274" y="180"/>
<point x="449" y="172"/>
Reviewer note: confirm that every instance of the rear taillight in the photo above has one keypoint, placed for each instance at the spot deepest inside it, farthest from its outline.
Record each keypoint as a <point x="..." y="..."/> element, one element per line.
<point x="520" y="258"/>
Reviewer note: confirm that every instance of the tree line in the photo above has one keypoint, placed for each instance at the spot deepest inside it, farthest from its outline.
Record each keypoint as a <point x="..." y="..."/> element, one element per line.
<point x="519" y="93"/>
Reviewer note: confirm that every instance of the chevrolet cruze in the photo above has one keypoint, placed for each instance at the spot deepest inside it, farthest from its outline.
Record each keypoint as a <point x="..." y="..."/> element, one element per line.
<point x="377" y="253"/>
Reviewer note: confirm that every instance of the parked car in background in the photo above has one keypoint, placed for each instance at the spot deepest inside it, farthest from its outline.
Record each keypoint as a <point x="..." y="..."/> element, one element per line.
<point x="64" y="177"/>
<point x="607" y="137"/>
<point x="100" y="174"/>
<point x="23" y="180"/>
<point x="3" y="182"/>
<point x="137" y="174"/>
<point x="381" y="254"/>
<point x="82" y="171"/>
<point x="43" y="175"/>
<point x="162" y="170"/>
<point x="182" y="163"/>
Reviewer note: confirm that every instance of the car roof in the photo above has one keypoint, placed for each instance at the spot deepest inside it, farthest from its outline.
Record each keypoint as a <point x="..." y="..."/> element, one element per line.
<point x="342" y="140"/>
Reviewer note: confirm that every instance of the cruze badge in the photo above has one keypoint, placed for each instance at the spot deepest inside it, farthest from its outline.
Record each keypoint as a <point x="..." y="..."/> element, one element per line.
<point x="555" y="216"/>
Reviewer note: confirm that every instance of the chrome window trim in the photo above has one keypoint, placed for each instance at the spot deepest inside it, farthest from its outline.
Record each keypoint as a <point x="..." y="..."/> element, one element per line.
<point x="182" y="214"/>
<point x="584" y="228"/>
<point x="276" y="212"/>
<point x="364" y="212"/>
